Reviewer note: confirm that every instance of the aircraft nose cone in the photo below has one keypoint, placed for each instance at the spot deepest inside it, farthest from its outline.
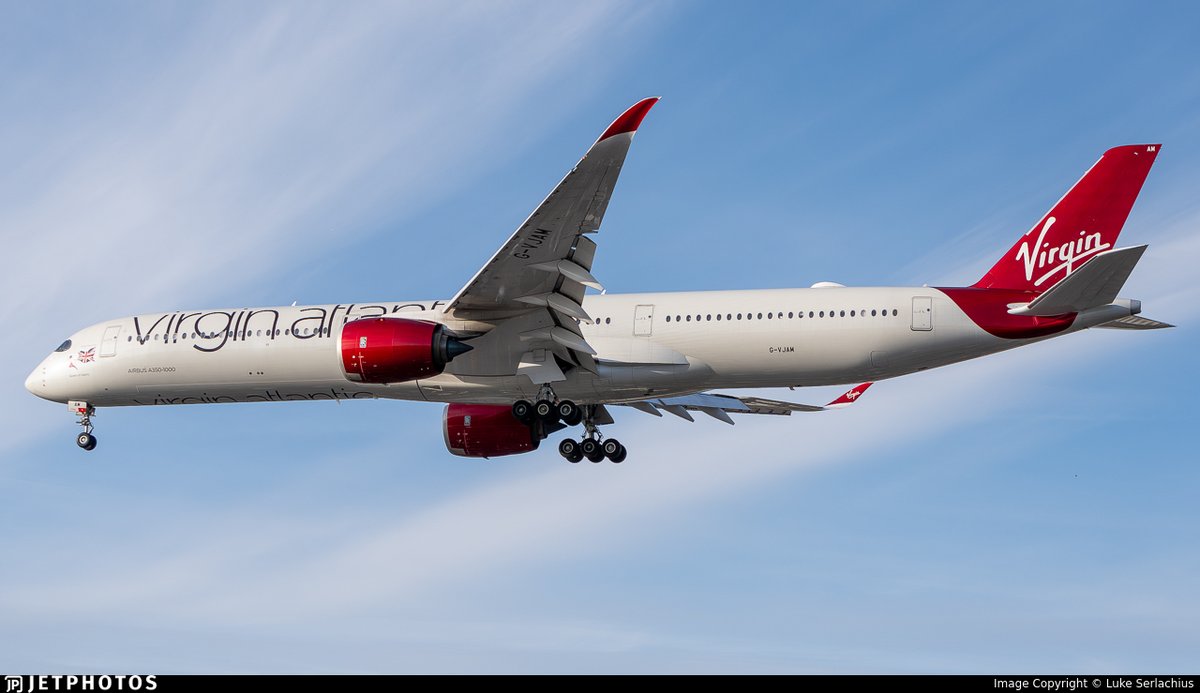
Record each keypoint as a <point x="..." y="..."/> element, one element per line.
<point x="34" y="381"/>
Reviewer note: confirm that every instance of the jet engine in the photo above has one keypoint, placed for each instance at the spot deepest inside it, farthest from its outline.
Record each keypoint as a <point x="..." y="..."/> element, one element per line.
<point x="394" y="350"/>
<point x="486" y="430"/>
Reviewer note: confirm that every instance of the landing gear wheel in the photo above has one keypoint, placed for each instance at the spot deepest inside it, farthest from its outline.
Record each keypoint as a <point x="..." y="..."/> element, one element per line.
<point x="569" y="412"/>
<point x="591" y="449"/>
<point x="613" y="450"/>
<point x="522" y="411"/>
<point x="544" y="410"/>
<point x="85" y="412"/>
<point x="569" y="449"/>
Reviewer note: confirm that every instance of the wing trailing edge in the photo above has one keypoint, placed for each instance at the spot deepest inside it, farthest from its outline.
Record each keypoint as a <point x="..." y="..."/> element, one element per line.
<point x="720" y="406"/>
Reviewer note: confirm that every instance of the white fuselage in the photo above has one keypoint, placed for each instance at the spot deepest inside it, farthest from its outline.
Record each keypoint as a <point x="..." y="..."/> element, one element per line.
<point x="658" y="344"/>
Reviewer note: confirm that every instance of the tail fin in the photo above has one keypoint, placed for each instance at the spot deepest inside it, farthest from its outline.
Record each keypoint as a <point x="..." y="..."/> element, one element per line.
<point x="1086" y="221"/>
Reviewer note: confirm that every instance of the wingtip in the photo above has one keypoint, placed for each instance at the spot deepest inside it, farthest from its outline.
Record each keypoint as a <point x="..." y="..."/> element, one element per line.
<point x="850" y="396"/>
<point x="631" y="119"/>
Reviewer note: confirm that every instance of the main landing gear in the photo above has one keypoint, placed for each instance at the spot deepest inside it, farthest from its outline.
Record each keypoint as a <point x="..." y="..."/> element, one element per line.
<point x="550" y="414"/>
<point x="548" y="411"/>
<point x="593" y="448"/>
<point x="84" y="411"/>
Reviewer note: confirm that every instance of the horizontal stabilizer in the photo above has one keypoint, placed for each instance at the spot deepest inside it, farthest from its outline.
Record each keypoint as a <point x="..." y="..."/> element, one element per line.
<point x="1094" y="284"/>
<point x="721" y="406"/>
<point x="1135" y="322"/>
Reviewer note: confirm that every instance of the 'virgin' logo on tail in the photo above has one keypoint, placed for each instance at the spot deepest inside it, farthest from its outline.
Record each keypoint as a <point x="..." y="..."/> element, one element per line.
<point x="1043" y="256"/>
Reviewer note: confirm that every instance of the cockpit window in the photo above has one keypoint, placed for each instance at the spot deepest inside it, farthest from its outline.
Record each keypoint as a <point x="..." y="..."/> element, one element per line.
<point x="64" y="346"/>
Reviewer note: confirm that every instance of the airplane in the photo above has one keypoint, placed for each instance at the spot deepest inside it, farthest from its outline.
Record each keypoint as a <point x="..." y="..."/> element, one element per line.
<point x="523" y="350"/>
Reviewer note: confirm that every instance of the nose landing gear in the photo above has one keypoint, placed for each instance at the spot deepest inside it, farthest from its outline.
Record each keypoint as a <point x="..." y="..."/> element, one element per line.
<point x="84" y="411"/>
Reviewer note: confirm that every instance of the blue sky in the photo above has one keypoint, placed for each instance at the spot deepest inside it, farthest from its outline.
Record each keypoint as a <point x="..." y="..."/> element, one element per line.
<point x="1034" y="511"/>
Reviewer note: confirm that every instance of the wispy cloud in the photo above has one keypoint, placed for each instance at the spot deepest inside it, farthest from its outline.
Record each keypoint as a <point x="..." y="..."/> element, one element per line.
<point x="271" y="568"/>
<point x="265" y="135"/>
<point x="271" y="135"/>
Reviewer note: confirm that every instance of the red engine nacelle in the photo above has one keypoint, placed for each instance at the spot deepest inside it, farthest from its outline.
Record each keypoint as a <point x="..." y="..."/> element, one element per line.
<point x="394" y="350"/>
<point x="485" y="430"/>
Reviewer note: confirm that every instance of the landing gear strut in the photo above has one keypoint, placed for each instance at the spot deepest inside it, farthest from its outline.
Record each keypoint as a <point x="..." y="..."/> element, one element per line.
<point x="84" y="411"/>
<point x="593" y="446"/>
<point x="547" y="414"/>
<point x="548" y="409"/>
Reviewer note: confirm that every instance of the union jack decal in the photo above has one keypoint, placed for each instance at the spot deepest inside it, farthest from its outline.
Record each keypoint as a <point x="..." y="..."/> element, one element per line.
<point x="87" y="355"/>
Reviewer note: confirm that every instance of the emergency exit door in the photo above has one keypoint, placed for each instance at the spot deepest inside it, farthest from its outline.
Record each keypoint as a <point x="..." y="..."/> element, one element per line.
<point x="643" y="321"/>
<point x="108" y="345"/>
<point x="922" y="316"/>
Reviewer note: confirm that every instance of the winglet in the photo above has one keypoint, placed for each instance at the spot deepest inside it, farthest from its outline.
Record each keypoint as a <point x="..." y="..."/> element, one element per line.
<point x="630" y="119"/>
<point x="850" y="397"/>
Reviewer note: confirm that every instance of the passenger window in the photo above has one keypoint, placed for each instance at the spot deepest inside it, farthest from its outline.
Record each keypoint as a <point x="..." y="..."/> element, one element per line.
<point x="894" y="312"/>
<point x="769" y="315"/>
<point x="689" y="318"/>
<point x="708" y="318"/>
<point x="760" y="316"/>
<point x="718" y="317"/>
<point x="822" y="313"/>
<point x="607" y="321"/>
<point x="851" y="313"/>
<point x="668" y="318"/>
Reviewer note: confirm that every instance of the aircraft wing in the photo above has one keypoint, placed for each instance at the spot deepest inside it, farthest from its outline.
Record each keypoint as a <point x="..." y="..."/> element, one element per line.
<point x="540" y="274"/>
<point x="721" y="406"/>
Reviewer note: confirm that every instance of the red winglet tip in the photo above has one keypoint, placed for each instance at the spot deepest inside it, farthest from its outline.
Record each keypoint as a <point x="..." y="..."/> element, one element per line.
<point x="851" y="395"/>
<point x="630" y="119"/>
